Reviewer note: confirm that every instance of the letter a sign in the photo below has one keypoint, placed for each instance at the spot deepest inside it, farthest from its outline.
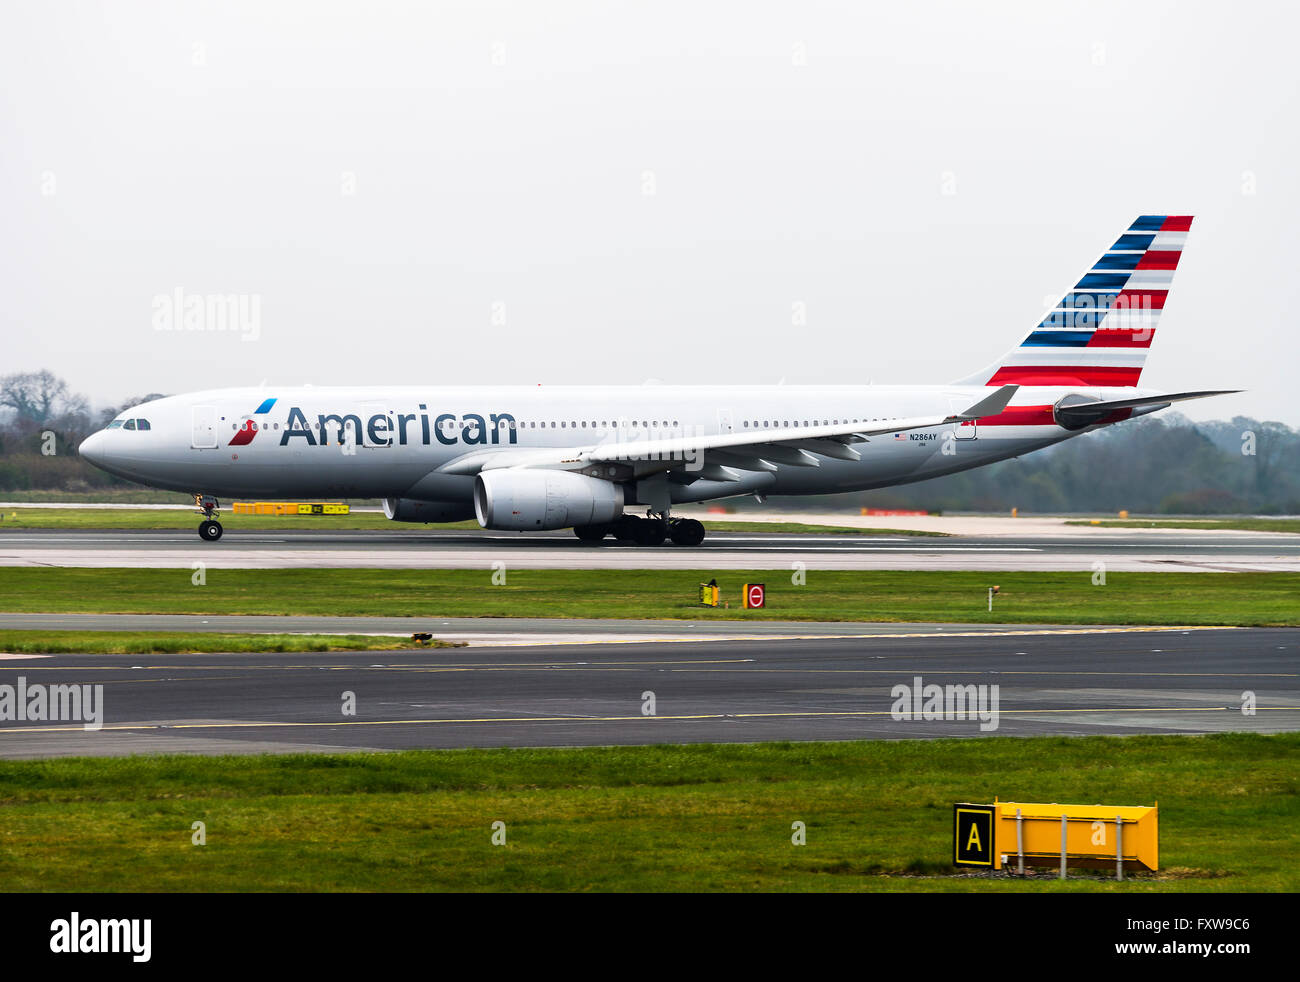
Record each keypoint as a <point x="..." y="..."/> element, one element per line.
<point x="972" y="835"/>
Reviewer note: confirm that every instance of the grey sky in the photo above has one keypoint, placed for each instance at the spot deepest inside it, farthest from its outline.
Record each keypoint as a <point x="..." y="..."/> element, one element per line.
<point x="389" y="179"/>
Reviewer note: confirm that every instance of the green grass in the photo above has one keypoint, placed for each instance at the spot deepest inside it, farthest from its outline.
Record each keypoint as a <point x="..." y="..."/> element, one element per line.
<point x="124" y="518"/>
<point x="191" y="642"/>
<point x="685" y="818"/>
<point x="133" y="495"/>
<point x="1244" y="599"/>
<point x="1238" y="524"/>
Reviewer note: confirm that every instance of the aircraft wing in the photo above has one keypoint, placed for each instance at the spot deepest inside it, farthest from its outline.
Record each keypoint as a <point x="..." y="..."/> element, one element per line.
<point x="764" y="449"/>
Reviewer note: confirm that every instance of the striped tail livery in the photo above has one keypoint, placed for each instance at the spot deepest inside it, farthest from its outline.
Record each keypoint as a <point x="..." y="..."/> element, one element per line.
<point x="1098" y="334"/>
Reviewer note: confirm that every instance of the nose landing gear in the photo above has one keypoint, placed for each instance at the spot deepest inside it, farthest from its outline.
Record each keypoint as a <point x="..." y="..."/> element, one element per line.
<point x="209" y="529"/>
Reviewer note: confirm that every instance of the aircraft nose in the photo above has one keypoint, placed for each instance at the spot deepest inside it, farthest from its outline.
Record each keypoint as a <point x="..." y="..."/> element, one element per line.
<point x="92" y="448"/>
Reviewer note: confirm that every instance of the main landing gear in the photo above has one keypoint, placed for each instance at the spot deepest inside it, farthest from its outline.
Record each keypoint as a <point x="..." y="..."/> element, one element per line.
<point x="209" y="529"/>
<point x="649" y="531"/>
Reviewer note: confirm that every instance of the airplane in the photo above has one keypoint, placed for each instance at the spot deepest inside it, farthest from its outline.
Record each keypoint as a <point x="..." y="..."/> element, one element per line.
<point x="532" y="458"/>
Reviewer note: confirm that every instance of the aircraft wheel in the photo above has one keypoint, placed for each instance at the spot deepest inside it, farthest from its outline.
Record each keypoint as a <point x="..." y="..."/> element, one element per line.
<point x="651" y="533"/>
<point x="626" y="528"/>
<point x="687" y="532"/>
<point x="591" y="533"/>
<point x="210" y="531"/>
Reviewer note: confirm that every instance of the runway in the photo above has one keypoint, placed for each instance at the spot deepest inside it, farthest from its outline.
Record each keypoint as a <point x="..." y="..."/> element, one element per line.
<point x="498" y="631"/>
<point x="1120" y="549"/>
<point x="1050" y="681"/>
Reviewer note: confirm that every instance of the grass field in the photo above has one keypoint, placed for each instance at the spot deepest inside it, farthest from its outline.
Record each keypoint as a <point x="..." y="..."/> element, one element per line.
<point x="187" y="642"/>
<point x="1237" y="524"/>
<point x="123" y="518"/>
<point x="705" y="817"/>
<point x="1243" y="599"/>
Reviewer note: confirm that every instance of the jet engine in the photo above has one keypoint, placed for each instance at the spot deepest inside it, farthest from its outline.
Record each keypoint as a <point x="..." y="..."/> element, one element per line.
<point x="410" y="510"/>
<point x="518" y="499"/>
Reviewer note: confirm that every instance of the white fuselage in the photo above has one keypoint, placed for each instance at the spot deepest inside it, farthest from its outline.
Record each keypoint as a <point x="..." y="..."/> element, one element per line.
<point x="389" y="442"/>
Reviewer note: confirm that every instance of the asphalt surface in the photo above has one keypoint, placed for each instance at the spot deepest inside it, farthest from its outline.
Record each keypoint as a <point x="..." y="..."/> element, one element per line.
<point x="1120" y="549"/>
<point x="1051" y="681"/>
<point x="479" y="631"/>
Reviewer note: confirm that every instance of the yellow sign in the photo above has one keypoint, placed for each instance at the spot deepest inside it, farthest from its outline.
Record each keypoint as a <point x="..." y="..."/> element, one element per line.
<point x="709" y="594"/>
<point x="972" y="836"/>
<point x="290" y="508"/>
<point x="1020" y="833"/>
<point x="1090" y="834"/>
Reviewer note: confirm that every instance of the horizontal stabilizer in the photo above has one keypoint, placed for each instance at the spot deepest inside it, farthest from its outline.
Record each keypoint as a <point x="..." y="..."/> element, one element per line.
<point x="1074" y="412"/>
<point x="1151" y="400"/>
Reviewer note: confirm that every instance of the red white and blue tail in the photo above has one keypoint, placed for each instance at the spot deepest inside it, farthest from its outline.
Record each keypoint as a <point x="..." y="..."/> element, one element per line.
<point x="1099" y="333"/>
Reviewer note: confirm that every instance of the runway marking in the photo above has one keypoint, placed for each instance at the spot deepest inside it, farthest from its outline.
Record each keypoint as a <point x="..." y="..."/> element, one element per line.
<point x="930" y="670"/>
<point x="679" y="639"/>
<point x="614" y="719"/>
<point x="862" y="637"/>
<point x="455" y="666"/>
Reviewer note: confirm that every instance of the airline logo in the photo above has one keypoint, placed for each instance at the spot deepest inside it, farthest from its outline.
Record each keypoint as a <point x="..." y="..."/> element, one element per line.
<point x="1099" y="333"/>
<point x="244" y="435"/>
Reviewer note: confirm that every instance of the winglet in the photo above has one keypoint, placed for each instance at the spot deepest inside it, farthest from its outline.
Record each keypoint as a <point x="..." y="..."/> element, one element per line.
<point x="990" y="405"/>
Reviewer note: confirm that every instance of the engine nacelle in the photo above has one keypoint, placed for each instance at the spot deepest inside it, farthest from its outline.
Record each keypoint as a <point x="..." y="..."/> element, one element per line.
<point x="532" y="500"/>
<point x="1075" y="412"/>
<point x="410" y="510"/>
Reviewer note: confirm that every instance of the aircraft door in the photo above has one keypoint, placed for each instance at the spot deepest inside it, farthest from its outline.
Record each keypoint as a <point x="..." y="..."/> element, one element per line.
<point x="205" y="428"/>
<point x="967" y="430"/>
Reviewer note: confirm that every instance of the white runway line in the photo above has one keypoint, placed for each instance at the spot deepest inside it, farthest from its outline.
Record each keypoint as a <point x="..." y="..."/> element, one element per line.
<point x="991" y="560"/>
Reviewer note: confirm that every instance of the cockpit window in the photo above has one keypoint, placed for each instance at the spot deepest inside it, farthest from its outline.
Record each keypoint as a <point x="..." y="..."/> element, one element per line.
<point x="129" y="424"/>
<point x="142" y="424"/>
<point x="116" y="424"/>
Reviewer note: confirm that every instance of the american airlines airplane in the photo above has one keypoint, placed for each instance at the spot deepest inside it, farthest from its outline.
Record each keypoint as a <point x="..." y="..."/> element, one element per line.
<point x="588" y="457"/>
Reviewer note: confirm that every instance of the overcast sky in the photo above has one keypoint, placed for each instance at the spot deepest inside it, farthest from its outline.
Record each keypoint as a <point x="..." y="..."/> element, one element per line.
<point x="579" y="193"/>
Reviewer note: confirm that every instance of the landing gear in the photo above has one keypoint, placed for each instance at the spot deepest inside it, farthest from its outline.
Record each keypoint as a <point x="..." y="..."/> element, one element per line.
<point x="686" y="531"/>
<point x="650" y="531"/>
<point x="209" y="529"/>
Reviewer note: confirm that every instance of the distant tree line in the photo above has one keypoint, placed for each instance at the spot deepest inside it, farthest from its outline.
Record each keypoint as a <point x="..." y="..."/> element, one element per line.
<point x="1158" y="464"/>
<point x="42" y="422"/>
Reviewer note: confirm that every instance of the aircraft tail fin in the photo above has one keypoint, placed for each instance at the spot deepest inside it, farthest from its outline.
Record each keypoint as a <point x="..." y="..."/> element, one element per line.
<point x="1099" y="333"/>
